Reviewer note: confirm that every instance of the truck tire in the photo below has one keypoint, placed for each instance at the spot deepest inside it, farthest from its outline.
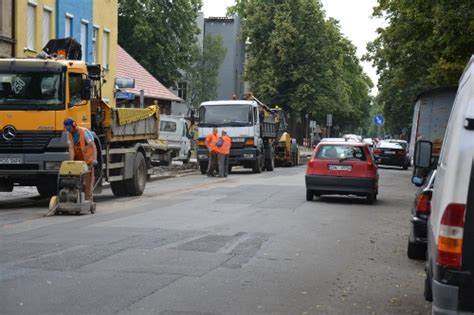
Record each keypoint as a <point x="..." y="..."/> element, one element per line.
<point x="136" y="184"/>
<point x="48" y="188"/>
<point x="256" y="166"/>
<point x="203" y="167"/>
<point x="119" y="189"/>
<point x="270" y="163"/>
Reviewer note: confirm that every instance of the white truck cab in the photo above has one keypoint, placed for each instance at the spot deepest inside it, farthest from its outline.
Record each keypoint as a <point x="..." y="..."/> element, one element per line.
<point x="450" y="258"/>
<point x="245" y="124"/>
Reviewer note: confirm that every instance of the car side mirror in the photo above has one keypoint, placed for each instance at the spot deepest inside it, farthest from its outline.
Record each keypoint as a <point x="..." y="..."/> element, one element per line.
<point x="418" y="181"/>
<point x="86" y="90"/>
<point x="423" y="154"/>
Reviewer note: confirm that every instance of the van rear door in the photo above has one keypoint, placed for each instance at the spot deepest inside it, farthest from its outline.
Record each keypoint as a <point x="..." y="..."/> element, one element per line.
<point x="466" y="276"/>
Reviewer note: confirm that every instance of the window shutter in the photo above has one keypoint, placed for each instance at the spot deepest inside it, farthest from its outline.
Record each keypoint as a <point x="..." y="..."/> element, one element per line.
<point x="46" y="26"/>
<point x="31" y="27"/>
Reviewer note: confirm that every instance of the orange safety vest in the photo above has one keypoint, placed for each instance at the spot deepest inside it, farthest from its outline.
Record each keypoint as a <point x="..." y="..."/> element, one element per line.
<point x="226" y="146"/>
<point x="211" y="141"/>
<point x="82" y="151"/>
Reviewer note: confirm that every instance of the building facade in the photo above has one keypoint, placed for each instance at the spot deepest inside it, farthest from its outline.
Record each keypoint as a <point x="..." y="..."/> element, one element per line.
<point x="7" y="41"/>
<point x="93" y="23"/>
<point x="104" y="44"/>
<point x="231" y="71"/>
<point x="35" y="25"/>
<point x="74" y="19"/>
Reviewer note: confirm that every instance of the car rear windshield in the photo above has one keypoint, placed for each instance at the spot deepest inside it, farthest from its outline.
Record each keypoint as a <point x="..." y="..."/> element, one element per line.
<point x="341" y="152"/>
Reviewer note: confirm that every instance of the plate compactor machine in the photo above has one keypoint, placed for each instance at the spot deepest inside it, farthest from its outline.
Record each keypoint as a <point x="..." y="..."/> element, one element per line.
<point x="71" y="184"/>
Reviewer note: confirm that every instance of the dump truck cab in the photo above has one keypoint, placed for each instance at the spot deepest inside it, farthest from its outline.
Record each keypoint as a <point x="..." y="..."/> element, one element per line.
<point x="36" y="95"/>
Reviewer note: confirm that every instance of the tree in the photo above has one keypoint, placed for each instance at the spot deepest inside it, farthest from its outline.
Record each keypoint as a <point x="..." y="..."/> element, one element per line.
<point x="426" y="45"/>
<point x="299" y="60"/>
<point x="203" y="75"/>
<point x="159" y="34"/>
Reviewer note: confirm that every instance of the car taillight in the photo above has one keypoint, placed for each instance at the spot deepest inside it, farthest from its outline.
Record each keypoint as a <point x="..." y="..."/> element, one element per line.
<point x="423" y="204"/>
<point x="378" y="151"/>
<point x="451" y="235"/>
<point x="311" y="164"/>
<point x="402" y="152"/>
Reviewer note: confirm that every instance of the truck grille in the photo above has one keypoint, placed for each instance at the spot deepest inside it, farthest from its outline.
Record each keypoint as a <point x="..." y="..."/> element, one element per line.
<point x="27" y="142"/>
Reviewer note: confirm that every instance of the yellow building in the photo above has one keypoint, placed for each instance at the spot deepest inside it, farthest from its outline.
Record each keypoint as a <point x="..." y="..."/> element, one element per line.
<point x="35" y="24"/>
<point x="105" y="41"/>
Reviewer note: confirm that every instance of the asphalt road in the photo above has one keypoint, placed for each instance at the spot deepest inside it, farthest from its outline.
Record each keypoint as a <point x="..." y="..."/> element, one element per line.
<point x="247" y="244"/>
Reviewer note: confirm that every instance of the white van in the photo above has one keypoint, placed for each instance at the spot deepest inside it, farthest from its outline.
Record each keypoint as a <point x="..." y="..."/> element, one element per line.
<point x="450" y="257"/>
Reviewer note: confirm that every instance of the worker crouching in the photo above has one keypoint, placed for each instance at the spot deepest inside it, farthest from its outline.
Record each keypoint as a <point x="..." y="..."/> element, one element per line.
<point x="82" y="148"/>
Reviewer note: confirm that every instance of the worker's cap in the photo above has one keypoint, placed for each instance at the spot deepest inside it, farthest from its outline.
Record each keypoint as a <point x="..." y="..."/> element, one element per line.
<point x="68" y="123"/>
<point x="224" y="131"/>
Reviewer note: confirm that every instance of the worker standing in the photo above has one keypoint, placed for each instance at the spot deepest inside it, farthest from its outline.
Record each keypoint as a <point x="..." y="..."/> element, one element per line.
<point x="82" y="148"/>
<point x="223" y="147"/>
<point x="211" y="141"/>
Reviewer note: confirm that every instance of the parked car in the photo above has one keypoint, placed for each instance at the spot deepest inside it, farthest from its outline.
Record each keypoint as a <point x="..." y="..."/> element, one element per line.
<point x="343" y="168"/>
<point x="391" y="153"/>
<point x="420" y="214"/>
<point x="450" y="255"/>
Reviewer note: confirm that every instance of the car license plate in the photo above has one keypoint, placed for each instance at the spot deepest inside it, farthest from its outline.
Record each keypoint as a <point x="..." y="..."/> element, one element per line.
<point x="346" y="168"/>
<point x="11" y="160"/>
<point x="390" y="152"/>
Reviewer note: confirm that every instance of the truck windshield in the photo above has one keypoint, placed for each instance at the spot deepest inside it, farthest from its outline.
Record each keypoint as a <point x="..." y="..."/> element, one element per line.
<point x="225" y="115"/>
<point x="31" y="90"/>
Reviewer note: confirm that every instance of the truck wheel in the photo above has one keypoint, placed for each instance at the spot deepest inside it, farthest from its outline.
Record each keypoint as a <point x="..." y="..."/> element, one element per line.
<point x="256" y="167"/>
<point x="188" y="158"/>
<point x="203" y="167"/>
<point x="119" y="189"/>
<point x="270" y="163"/>
<point x="136" y="184"/>
<point x="48" y="188"/>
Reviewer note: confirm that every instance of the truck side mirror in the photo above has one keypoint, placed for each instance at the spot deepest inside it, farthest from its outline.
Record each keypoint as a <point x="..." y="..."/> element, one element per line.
<point x="423" y="154"/>
<point x="86" y="90"/>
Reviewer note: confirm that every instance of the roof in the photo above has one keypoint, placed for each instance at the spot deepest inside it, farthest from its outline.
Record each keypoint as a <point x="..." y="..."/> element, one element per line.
<point x="127" y="67"/>
<point x="340" y="142"/>
<point x="230" y="102"/>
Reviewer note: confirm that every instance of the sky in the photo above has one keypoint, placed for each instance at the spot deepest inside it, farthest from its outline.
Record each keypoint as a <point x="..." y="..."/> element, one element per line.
<point x="354" y="17"/>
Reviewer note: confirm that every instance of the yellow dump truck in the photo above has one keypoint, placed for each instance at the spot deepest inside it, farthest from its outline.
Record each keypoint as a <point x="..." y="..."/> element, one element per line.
<point x="36" y="95"/>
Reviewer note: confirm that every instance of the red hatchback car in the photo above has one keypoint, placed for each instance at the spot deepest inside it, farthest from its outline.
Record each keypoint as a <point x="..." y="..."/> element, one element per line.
<point x="342" y="168"/>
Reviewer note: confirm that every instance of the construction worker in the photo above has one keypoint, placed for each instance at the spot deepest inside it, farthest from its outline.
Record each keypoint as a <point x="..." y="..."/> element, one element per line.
<point x="223" y="148"/>
<point x="82" y="148"/>
<point x="211" y="141"/>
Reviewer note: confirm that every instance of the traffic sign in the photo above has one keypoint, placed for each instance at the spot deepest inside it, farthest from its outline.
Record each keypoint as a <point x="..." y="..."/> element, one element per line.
<point x="124" y="96"/>
<point x="379" y="120"/>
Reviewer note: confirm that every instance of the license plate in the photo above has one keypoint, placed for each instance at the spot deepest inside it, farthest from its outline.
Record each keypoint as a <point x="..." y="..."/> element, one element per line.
<point x="346" y="168"/>
<point x="11" y="160"/>
<point x="390" y="152"/>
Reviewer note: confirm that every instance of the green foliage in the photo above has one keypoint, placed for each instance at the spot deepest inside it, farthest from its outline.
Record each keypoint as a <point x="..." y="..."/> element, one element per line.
<point x="159" y="34"/>
<point x="300" y="60"/>
<point x="426" y="45"/>
<point x="203" y="75"/>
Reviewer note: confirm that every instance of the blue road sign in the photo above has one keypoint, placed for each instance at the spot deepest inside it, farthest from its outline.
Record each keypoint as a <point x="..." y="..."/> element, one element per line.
<point x="379" y="120"/>
<point x="124" y="96"/>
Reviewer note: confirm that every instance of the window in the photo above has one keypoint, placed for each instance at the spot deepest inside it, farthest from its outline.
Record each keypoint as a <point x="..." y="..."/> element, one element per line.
<point x="105" y="50"/>
<point x="75" y="89"/>
<point x="84" y="40"/>
<point x="345" y="152"/>
<point x="31" y="30"/>
<point x="46" y="26"/>
<point x="167" y="126"/>
<point x="95" y="44"/>
<point x="68" y="26"/>
<point x="183" y="90"/>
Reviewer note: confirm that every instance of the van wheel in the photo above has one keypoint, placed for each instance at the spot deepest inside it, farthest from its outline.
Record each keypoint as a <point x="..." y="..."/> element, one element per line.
<point x="203" y="167"/>
<point x="119" y="189"/>
<point x="309" y="195"/>
<point x="136" y="184"/>
<point x="416" y="251"/>
<point x="428" y="290"/>
<point x="370" y="198"/>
